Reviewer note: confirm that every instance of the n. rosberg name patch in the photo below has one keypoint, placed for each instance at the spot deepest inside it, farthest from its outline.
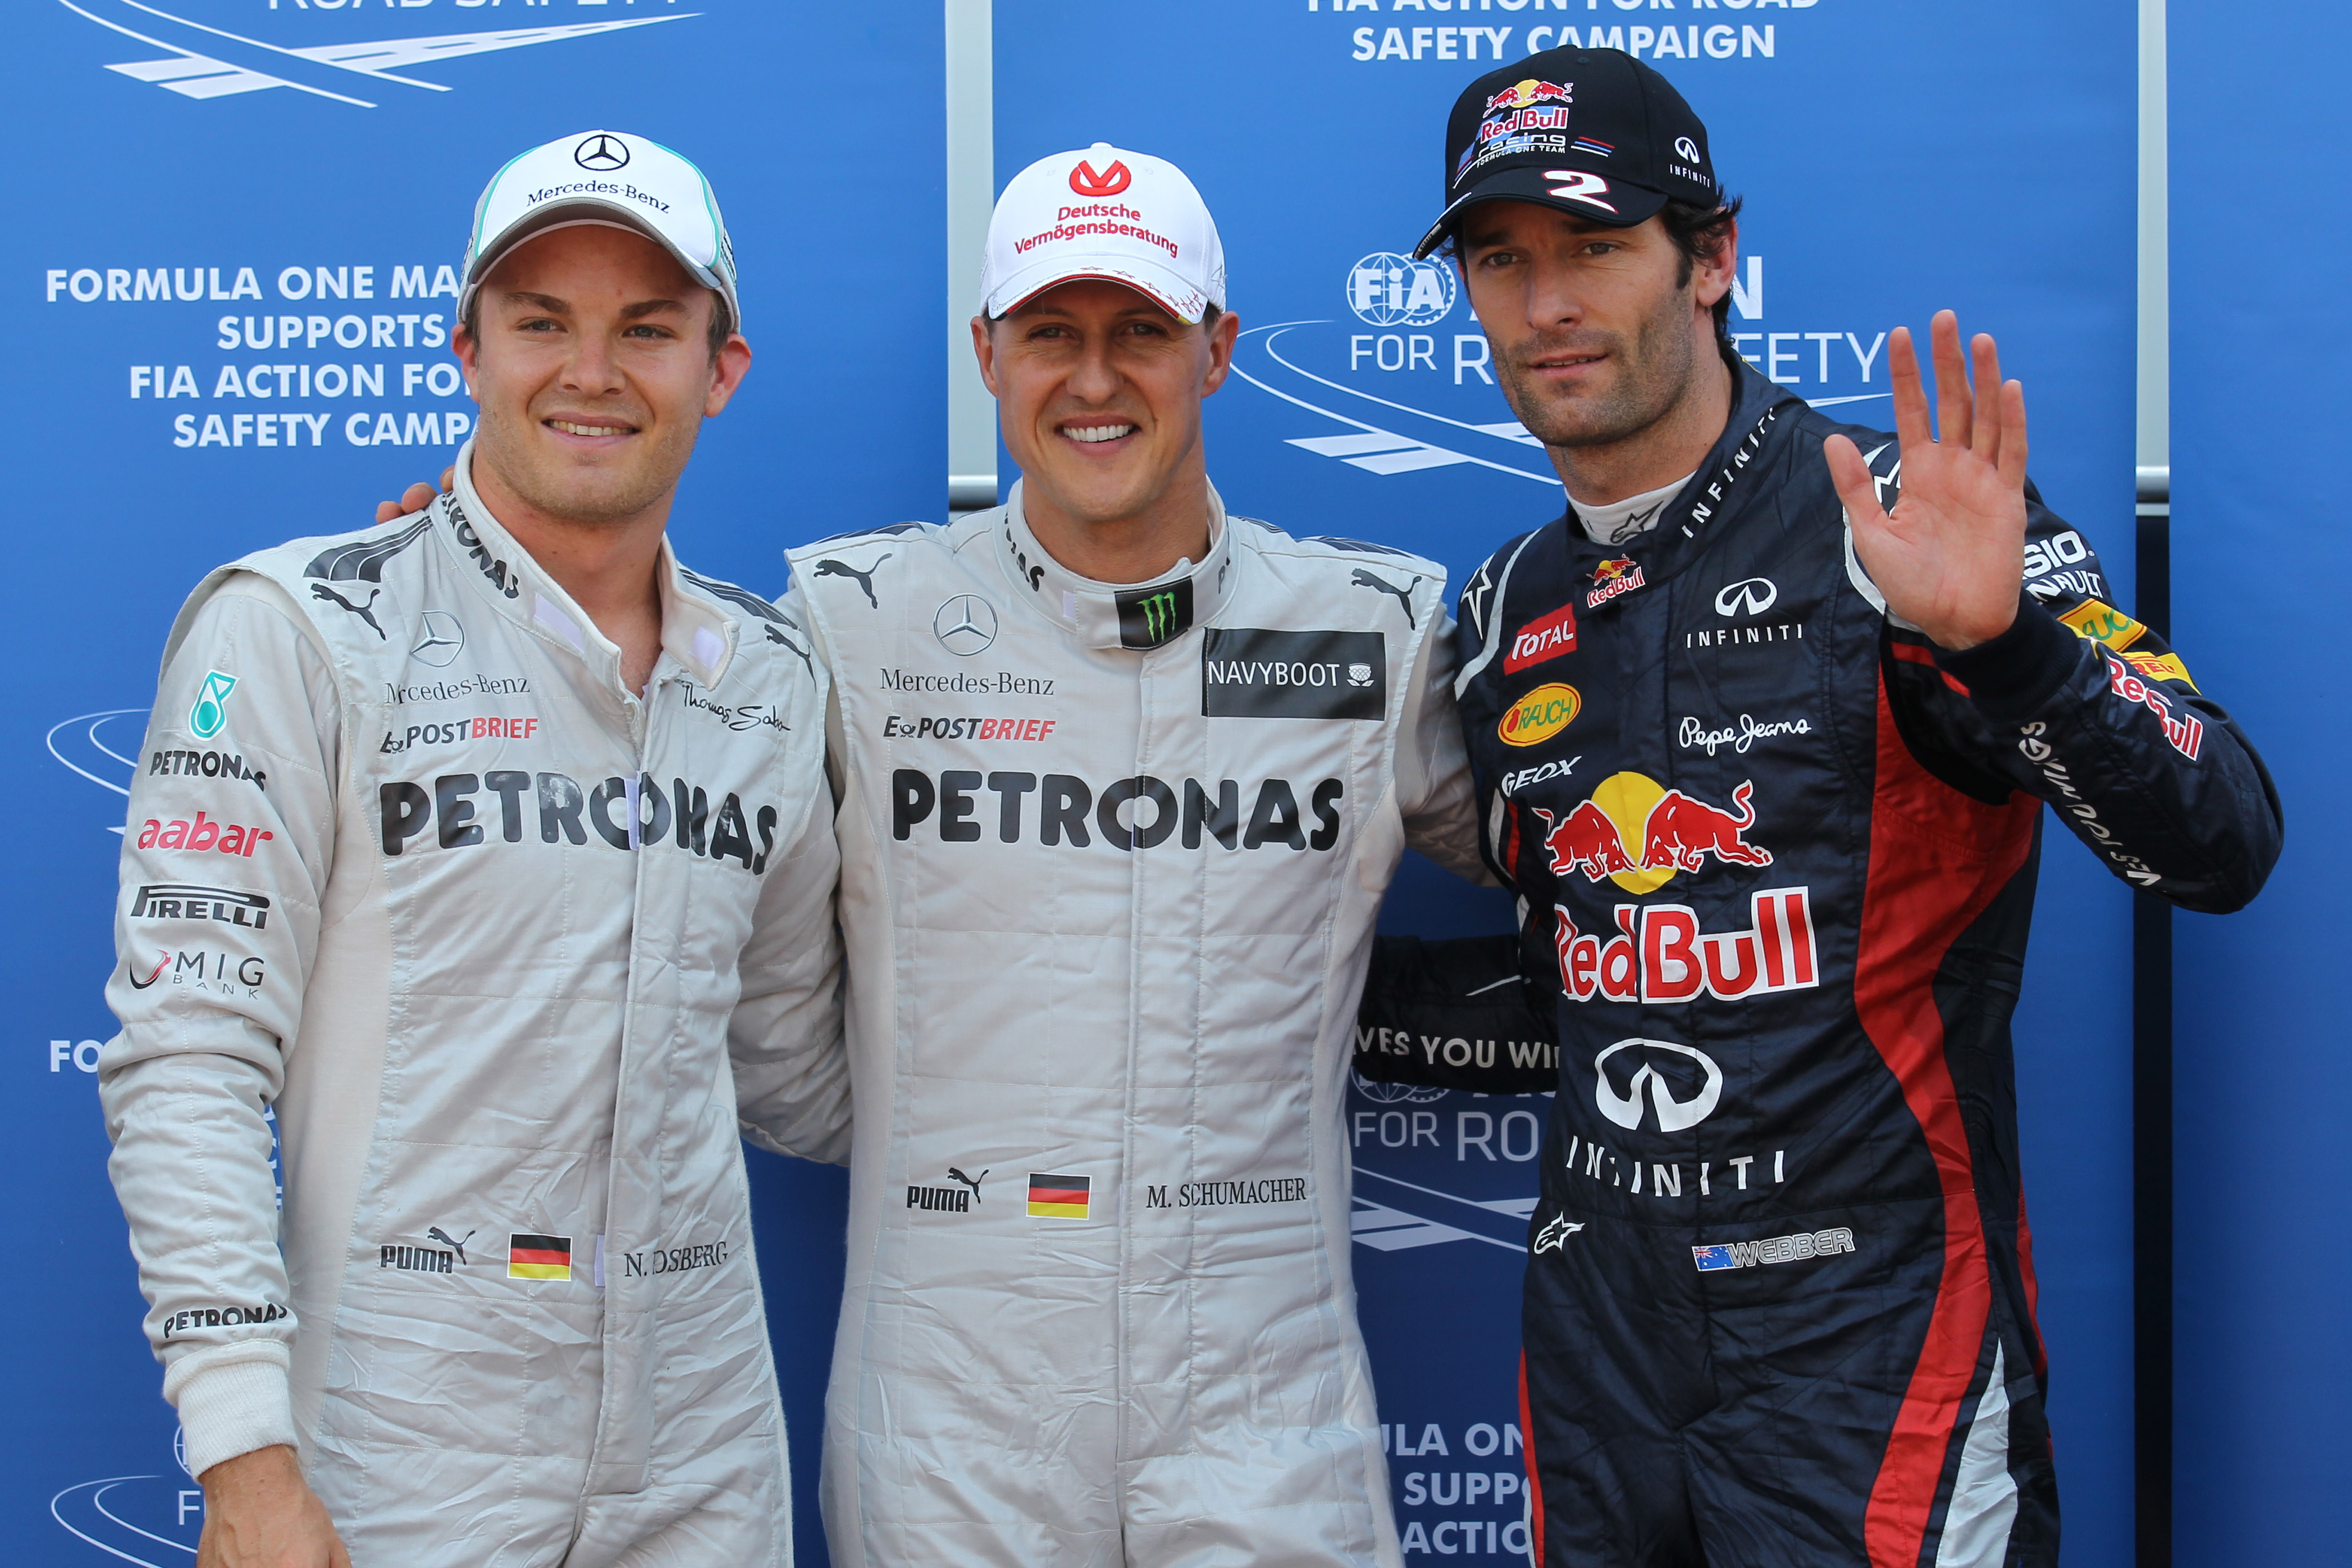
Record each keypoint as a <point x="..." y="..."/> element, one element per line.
<point x="1248" y="673"/>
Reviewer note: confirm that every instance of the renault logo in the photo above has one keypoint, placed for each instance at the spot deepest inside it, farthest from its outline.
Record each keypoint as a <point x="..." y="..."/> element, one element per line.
<point x="965" y="625"/>
<point x="602" y="152"/>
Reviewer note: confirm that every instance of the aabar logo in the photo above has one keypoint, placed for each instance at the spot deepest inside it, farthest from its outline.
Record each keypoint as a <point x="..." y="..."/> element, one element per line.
<point x="1543" y="639"/>
<point x="228" y="837"/>
<point x="1110" y="182"/>
<point x="1539" y="715"/>
<point x="1638" y="834"/>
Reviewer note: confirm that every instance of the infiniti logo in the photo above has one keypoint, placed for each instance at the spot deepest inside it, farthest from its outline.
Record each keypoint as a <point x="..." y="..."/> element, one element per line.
<point x="602" y="152"/>
<point x="1751" y="596"/>
<point x="1673" y="1115"/>
<point x="1685" y="149"/>
<point x="965" y="625"/>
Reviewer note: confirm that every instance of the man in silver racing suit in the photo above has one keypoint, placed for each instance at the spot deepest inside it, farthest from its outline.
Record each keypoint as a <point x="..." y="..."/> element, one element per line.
<point x="1122" y="779"/>
<point x="480" y="847"/>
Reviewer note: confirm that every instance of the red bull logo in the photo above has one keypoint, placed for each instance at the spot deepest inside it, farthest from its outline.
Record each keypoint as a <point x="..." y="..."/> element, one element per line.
<point x="1638" y="833"/>
<point x="1520" y="94"/>
<point x="1611" y="578"/>
<point x="1539" y="715"/>
<point x="1659" y="955"/>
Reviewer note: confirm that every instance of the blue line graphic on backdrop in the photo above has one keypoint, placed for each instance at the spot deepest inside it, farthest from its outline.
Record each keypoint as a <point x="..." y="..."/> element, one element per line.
<point x="211" y="62"/>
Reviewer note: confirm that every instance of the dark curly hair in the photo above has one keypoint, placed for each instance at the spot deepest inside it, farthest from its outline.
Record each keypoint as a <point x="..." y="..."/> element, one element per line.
<point x="1700" y="233"/>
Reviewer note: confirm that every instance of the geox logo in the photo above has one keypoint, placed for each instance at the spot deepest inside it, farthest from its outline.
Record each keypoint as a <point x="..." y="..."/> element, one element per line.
<point x="1150" y="616"/>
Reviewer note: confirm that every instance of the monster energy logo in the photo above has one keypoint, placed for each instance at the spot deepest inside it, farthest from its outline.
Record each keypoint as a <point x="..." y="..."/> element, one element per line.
<point x="1150" y="616"/>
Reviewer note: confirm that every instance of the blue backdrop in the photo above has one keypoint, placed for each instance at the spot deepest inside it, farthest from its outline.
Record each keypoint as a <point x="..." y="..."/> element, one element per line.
<point x="1897" y="158"/>
<point x="2260" y="408"/>
<point x="236" y="263"/>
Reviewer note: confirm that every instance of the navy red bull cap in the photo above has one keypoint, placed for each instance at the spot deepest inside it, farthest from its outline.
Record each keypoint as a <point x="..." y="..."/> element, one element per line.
<point x="1592" y="131"/>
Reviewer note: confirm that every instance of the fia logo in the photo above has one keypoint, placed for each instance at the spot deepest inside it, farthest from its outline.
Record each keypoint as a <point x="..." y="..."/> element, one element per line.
<point x="206" y="62"/>
<point x="1390" y="290"/>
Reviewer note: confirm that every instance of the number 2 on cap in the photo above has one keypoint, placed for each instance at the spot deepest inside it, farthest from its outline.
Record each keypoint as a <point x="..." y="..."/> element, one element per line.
<point x="1580" y="187"/>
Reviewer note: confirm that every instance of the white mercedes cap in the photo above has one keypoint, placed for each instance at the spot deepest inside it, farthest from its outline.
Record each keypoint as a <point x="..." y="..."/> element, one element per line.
<point x="1104" y="213"/>
<point x="611" y="178"/>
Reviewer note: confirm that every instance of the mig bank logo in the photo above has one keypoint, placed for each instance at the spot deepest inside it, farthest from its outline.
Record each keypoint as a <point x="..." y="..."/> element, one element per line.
<point x="204" y="61"/>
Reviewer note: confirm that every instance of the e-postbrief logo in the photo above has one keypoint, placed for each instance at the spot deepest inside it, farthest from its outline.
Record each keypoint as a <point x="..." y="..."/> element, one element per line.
<point x="206" y="62"/>
<point x="1246" y="673"/>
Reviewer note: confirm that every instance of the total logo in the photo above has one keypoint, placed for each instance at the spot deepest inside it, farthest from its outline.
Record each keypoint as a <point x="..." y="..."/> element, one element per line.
<point x="205" y="62"/>
<point x="1390" y="290"/>
<point x="1638" y="834"/>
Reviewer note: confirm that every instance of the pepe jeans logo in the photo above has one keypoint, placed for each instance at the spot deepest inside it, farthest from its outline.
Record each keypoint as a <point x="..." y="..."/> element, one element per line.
<point x="1148" y="617"/>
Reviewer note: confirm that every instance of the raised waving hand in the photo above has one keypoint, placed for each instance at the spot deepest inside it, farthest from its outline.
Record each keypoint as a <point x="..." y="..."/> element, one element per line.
<point x="1950" y="556"/>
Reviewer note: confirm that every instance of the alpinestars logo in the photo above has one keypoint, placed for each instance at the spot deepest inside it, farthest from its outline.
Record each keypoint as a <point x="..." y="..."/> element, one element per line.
<point x="207" y="62"/>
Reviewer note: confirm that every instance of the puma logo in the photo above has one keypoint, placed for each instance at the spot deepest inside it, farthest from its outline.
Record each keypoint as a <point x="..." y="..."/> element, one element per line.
<point x="972" y="1182"/>
<point x="1359" y="578"/>
<point x="776" y="636"/>
<point x="865" y="579"/>
<point x="321" y="591"/>
<point x="451" y="1242"/>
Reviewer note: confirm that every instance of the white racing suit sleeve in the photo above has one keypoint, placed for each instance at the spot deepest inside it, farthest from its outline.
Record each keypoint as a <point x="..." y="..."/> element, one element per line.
<point x="792" y="1069"/>
<point x="1434" y="792"/>
<point x="225" y="857"/>
<point x="792" y="1066"/>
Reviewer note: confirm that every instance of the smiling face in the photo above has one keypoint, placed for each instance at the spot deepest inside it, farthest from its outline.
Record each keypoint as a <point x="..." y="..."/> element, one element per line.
<point x="1098" y="394"/>
<point x="594" y="371"/>
<point x="1598" y="332"/>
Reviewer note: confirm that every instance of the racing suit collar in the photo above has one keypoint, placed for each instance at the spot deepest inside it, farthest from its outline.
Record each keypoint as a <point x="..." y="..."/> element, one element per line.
<point x="1140" y="615"/>
<point x="1706" y="507"/>
<point x="698" y="635"/>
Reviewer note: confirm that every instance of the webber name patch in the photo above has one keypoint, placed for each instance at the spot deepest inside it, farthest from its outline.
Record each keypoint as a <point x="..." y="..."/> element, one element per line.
<point x="1250" y="674"/>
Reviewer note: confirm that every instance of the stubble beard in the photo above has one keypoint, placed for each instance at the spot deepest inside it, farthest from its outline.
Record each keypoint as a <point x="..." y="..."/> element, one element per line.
<point x="590" y="498"/>
<point x="1652" y="374"/>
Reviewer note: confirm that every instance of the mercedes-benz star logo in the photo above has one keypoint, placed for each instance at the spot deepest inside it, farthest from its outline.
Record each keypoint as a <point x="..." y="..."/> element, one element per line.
<point x="965" y="625"/>
<point x="439" y="639"/>
<point x="602" y="152"/>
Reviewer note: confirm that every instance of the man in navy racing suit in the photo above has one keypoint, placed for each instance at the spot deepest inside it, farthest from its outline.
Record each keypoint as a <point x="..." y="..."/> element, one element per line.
<point x="1762" y="750"/>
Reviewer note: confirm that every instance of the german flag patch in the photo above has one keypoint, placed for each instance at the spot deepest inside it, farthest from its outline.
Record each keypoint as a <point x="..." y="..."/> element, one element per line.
<point x="539" y="1257"/>
<point x="1059" y="1197"/>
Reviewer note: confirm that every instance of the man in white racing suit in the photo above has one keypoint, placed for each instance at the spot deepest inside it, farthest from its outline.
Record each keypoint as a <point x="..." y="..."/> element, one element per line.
<point x="1121" y="782"/>
<point x="489" y="849"/>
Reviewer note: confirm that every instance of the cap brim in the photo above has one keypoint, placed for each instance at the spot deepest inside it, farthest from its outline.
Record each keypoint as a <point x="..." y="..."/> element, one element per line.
<point x="1181" y="299"/>
<point x="605" y="214"/>
<point x="1623" y="206"/>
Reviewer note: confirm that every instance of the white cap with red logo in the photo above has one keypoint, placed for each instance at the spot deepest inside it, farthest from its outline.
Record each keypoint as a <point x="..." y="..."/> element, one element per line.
<point x="1104" y="213"/>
